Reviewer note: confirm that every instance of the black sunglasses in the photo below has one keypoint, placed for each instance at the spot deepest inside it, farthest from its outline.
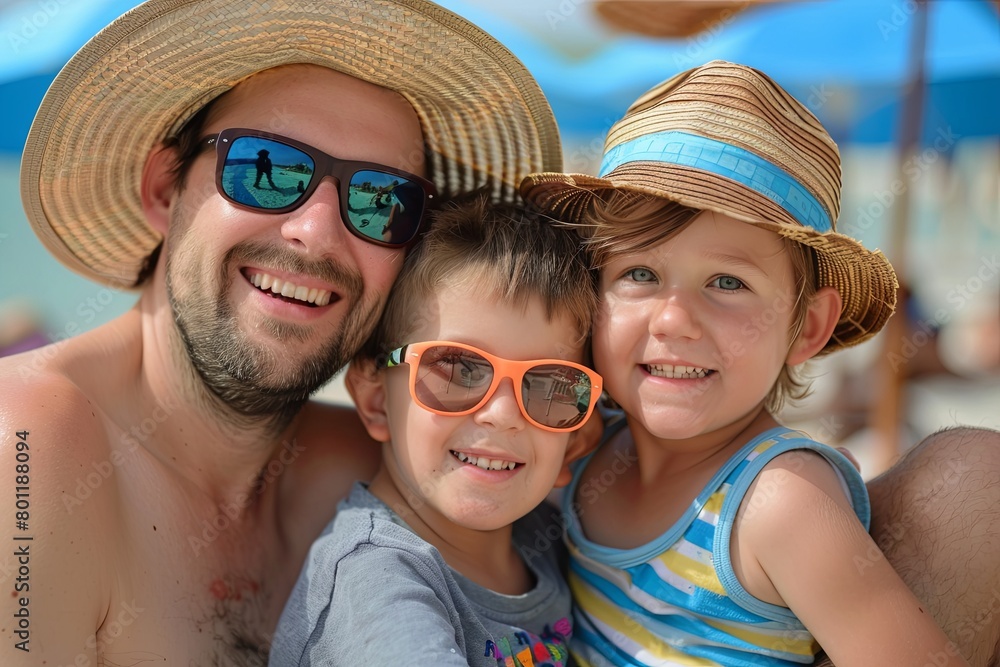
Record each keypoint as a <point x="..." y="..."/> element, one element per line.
<point x="266" y="172"/>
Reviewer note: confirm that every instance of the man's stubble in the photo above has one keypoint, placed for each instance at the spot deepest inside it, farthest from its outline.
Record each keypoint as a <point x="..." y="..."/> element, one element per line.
<point x="253" y="379"/>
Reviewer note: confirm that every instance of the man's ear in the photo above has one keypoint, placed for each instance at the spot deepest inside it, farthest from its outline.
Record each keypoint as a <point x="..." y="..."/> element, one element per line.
<point x="158" y="187"/>
<point x="821" y="319"/>
<point x="581" y="442"/>
<point x="366" y="386"/>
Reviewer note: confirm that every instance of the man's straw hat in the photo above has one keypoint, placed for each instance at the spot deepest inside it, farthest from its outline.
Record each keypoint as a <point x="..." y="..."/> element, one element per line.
<point x="484" y="118"/>
<point x="726" y="138"/>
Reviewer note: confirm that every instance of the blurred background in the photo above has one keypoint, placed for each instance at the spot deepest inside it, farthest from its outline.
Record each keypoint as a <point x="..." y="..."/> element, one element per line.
<point x="909" y="89"/>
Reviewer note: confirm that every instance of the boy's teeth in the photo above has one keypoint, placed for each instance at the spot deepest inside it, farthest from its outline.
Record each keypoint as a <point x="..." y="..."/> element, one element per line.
<point x="485" y="463"/>
<point x="268" y="283"/>
<point x="677" y="372"/>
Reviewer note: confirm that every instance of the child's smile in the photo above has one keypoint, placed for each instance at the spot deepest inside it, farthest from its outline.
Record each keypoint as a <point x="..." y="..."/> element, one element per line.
<point x="678" y="371"/>
<point x="495" y="463"/>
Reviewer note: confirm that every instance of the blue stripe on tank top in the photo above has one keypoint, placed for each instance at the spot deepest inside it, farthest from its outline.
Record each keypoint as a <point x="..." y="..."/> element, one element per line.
<point x="681" y="623"/>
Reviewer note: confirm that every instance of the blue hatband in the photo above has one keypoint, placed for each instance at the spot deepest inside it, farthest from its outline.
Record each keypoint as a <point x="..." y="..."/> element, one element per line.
<point x="732" y="162"/>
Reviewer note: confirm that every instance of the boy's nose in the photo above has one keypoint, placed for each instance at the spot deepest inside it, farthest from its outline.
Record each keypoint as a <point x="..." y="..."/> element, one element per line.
<point x="502" y="411"/>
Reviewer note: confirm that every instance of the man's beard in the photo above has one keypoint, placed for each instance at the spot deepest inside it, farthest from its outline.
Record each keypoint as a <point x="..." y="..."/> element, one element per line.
<point x="252" y="379"/>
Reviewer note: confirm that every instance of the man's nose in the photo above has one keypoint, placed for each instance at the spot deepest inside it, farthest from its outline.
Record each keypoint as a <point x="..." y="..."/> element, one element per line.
<point x="317" y="226"/>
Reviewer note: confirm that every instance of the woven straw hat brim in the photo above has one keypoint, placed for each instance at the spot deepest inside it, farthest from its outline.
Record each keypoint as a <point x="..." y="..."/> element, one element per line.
<point x="865" y="279"/>
<point x="484" y="118"/>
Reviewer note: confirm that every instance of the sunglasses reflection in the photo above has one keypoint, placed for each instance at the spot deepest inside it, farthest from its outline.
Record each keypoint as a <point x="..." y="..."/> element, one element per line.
<point x="251" y="160"/>
<point x="373" y="203"/>
<point x="380" y="205"/>
<point x="378" y="201"/>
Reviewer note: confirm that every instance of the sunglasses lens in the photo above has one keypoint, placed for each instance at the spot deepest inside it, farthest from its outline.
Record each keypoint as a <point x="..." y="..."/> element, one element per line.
<point x="451" y="379"/>
<point x="555" y="395"/>
<point x="385" y="207"/>
<point x="265" y="174"/>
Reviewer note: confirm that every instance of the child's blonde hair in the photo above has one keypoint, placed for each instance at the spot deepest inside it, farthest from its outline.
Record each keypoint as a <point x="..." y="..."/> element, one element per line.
<point x="507" y="253"/>
<point x="625" y="222"/>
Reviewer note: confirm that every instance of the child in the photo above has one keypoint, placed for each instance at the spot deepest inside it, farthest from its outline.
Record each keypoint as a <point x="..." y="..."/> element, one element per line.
<point x="472" y="383"/>
<point x="704" y="533"/>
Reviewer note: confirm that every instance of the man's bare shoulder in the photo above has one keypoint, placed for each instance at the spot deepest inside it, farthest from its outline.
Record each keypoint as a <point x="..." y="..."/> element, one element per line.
<point x="66" y="434"/>
<point x="52" y="405"/>
<point x="50" y="436"/>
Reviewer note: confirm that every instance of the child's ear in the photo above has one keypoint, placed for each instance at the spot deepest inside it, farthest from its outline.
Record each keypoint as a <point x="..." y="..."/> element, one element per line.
<point x="581" y="442"/>
<point x="820" y="321"/>
<point x="365" y="385"/>
<point x="158" y="187"/>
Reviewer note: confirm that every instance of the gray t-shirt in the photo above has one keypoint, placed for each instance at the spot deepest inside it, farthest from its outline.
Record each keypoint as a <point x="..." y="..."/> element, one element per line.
<point x="373" y="593"/>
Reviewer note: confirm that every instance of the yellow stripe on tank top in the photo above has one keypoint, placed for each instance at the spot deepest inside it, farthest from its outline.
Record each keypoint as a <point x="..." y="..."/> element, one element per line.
<point x="714" y="502"/>
<point x="601" y="609"/>
<point x="700" y="574"/>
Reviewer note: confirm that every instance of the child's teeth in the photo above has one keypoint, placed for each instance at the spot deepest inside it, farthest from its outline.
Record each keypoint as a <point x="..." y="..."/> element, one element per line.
<point x="677" y="372"/>
<point x="485" y="463"/>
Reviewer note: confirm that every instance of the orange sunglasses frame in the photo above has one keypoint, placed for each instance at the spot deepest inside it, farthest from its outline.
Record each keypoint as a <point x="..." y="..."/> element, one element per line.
<point x="502" y="368"/>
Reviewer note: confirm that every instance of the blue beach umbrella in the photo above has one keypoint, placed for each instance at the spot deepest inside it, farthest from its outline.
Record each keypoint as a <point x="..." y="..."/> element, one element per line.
<point x="37" y="37"/>
<point x="848" y="60"/>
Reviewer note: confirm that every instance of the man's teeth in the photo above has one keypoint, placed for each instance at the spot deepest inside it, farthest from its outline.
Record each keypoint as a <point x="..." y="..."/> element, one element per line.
<point x="677" y="372"/>
<point x="485" y="463"/>
<point x="266" y="282"/>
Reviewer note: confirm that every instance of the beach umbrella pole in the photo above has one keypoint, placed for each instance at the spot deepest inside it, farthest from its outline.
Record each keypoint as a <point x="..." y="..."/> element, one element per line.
<point x="890" y="408"/>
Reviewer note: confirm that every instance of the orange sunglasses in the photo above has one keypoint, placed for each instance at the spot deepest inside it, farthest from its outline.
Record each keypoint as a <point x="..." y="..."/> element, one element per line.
<point x="455" y="379"/>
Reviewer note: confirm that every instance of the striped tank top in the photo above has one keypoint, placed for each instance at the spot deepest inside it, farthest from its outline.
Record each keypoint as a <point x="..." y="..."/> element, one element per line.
<point x="676" y="600"/>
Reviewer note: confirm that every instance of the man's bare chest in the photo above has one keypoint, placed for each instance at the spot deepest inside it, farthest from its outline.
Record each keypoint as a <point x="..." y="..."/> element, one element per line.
<point x="195" y="591"/>
<point x="193" y="616"/>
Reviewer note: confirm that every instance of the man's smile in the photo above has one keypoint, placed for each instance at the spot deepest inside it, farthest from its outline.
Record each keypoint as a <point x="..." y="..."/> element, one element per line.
<point x="288" y="290"/>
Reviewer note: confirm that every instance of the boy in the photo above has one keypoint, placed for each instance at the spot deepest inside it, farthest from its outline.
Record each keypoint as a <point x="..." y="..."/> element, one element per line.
<point x="732" y="540"/>
<point x="472" y="383"/>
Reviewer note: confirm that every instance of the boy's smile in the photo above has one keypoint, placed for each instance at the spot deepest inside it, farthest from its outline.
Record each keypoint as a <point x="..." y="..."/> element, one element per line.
<point x="486" y="462"/>
<point x="694" y="330"/>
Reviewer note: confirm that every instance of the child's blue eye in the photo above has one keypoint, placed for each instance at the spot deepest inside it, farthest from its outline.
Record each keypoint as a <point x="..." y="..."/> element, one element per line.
<point x="641" y="275"/>
<point x="728" y="283"/>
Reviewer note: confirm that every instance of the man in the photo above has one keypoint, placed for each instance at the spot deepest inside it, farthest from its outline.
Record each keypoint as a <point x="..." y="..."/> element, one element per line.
<point x="172" y="473"/>
<point x="165" y="472"/>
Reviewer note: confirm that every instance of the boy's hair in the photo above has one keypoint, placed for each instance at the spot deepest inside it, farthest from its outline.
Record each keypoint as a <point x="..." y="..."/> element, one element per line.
<point x="506" y="253"/>
<point x="626" y="222"/>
